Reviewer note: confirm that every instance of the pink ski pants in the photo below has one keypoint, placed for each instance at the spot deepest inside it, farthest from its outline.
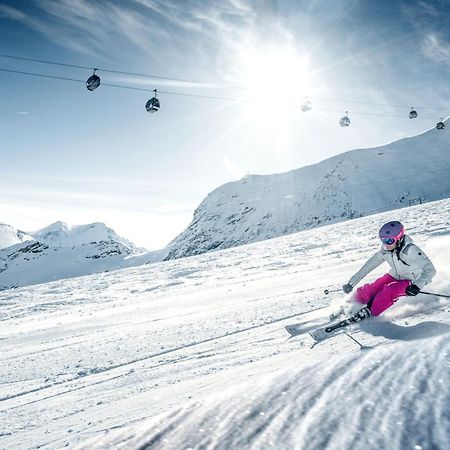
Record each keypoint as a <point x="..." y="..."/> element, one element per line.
<point x="383" y="293"/>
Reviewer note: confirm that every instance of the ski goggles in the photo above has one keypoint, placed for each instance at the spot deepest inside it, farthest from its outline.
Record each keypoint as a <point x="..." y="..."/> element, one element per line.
<point x="388" y="240"/>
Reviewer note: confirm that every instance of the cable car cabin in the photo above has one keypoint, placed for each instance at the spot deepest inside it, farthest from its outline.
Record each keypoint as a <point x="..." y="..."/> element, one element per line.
<point x="93" y="82"/>
<point x="344" y="122"/>
<point x="412" y="113"/>
<point x="152" y="105"/>
<point x="440" y="125"/>
<point x="306" y="106"/>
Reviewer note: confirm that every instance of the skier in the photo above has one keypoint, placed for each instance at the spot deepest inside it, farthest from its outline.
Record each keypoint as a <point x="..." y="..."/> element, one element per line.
<point x="410" y="271"/>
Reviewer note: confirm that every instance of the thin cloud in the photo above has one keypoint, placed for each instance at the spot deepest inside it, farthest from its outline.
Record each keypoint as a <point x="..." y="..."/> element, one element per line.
<point x="429" y="8"/>
<point x="87" y="27"/>
<point x="51" y="198"/>
<point x="195" y="17"/>
<point x="47" y="28"/>
<point x="171" y="12"/>
<point x="430" y="21"/>
<point x="185" y="28"/>
<point x="11" y="13"/>
<point x="94" y="182"/>
<point x="435" y="48"/>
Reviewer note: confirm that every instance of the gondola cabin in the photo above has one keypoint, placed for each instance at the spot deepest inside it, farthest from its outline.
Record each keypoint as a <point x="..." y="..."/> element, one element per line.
<point x="345" y="121"/>
<point x="306" y="105"/>
<point x="153" y="104"/>
<point x="440" y="125"/>
<point x="93" y="82"/>
<point x="412" y="113"/>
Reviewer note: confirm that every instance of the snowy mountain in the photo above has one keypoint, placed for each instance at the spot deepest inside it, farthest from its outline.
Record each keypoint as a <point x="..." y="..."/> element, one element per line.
<point x="60" y="234"/>
<point x="10" y="236"/>
<point x="350" y="185"/>
<point x="63" y="251"/>
<point x="192" y="353"/>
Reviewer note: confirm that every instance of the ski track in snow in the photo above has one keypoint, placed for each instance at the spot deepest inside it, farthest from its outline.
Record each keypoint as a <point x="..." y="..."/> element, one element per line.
<point x="383" y="402"/>
<point x="181" y="341"/>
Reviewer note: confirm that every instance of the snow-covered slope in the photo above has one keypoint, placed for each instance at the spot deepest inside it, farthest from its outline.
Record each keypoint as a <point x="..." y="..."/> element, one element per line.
<point x="349" y="185"/>
<point x="61" y="251"/>
<point x="380" y="399"/>
<point x="196" y="347"/>
<point x="10" y="236"/>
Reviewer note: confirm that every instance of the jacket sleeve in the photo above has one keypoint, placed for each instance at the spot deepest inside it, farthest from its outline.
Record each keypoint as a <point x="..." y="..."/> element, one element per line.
<point x="371" y="264"/>
<point x="422" y="262"/>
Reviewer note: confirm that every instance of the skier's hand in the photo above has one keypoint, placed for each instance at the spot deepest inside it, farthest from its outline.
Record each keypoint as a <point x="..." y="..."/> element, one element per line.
<point x="412" y="290"/>
<point x="347" y="288"/>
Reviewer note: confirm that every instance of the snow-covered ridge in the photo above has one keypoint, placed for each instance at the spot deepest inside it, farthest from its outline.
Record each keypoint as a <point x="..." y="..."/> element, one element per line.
<point x="10" y="236"/>
<point x="60" y="234"/>
<point x="354" y="184"/>
<point x="64" y="251"/>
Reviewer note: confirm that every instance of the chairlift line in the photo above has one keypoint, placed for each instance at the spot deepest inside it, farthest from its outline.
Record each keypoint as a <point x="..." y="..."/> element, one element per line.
<point x="212" y="84"/>
<point x="387" y="105"/>
<point x="121" y="72"/>
<point x="123" y="86"/>
<point x="42" y="75"/>
<point x="93" y="82"/>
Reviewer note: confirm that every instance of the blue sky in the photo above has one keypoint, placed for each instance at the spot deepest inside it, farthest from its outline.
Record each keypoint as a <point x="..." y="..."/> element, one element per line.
<point x="79" y="156"/>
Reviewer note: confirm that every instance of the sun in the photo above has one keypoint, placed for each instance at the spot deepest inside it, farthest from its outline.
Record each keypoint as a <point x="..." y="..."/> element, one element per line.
<point x="275" y="80"/>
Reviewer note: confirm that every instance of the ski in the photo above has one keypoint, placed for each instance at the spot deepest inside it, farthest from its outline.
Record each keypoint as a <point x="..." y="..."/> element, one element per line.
<point x="295" y="329"/>
<point x="320" y="334"/>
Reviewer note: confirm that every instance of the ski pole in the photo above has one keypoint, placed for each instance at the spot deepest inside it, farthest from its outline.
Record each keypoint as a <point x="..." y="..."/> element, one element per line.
<point x="327" y="291"/>
<point x="361" y="346"/>
<point x="437" y="295"/>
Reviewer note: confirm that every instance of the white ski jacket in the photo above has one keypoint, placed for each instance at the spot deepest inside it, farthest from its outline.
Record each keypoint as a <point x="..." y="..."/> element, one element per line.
<point x="410" y="263"/>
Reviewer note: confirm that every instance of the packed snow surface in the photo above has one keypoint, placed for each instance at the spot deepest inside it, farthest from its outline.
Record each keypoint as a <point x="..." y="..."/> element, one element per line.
<point x="391" y="398"/>
<point x="192" y="353"/>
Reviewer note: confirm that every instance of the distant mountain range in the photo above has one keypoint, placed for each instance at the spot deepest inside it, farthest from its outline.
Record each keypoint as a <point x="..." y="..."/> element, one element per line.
<point x="62" y="251"/>
<point x="353" y="184"/>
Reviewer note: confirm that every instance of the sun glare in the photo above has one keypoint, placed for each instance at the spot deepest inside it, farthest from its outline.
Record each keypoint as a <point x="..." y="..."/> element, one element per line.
<point x="276" y="81"/>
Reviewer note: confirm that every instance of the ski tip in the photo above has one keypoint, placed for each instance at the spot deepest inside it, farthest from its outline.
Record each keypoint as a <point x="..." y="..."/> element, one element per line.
<point x="314" y="338"/>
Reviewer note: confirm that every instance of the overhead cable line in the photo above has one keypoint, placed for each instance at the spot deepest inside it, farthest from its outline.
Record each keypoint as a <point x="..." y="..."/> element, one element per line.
<point x="210" y="83"/>
<point x="41" y="75"/>
<point x="121" y="86"/>
<point x="372" y="103"/>
<point x="159" y="77"/>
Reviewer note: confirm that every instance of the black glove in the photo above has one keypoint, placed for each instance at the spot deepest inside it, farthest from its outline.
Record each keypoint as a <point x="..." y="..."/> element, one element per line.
<point x="412" y="290"/>
<point x="347" y="288"/>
